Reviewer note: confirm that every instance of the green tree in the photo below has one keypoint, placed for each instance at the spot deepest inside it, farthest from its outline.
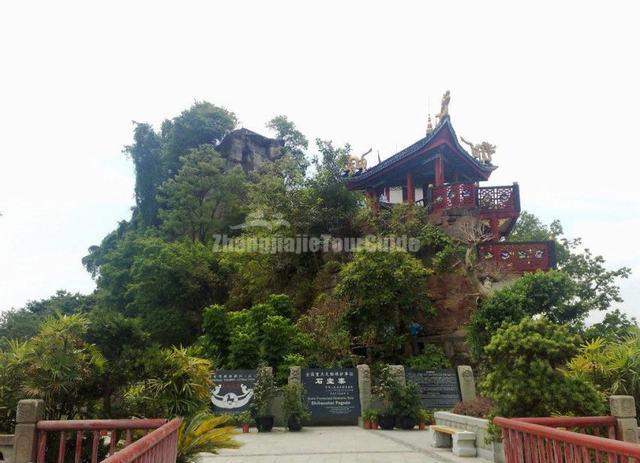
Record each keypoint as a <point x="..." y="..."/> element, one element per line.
<point x="168" y="286"/>
<point x="145" y="154"/>
<point x="203" y="198"/>
<point x="202" y="124"/>
<point x="596" y="286"/>
<point x="61" y="367"/>
<point x="551" y="293"/>
<point x="295" y="143"/>
<point x="616" y="327"/>
<point x="25" y="322"/>
<point x="11" y="379"/>
<point x="123" y="343"/>
<point x="216" y="336"/>
<point x="525" y="377"/>
<point x="385" y="291"/>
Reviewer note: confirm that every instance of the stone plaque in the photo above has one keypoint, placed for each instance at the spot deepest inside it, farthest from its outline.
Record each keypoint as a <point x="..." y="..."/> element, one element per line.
<point x="332" y="395"/>
<point x="232" y="390"/>
<point x="439" y="389"/>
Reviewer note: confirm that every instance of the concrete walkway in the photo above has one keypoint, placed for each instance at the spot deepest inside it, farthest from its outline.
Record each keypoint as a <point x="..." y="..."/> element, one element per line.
<point x="336" y="445"/>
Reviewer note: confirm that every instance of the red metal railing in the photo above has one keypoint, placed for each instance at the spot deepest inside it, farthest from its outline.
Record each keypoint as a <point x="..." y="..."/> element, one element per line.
<point x="72" y="435"/>
<point x="487" y="200"/>
<point x="529" y="442"/>
<point x="160" y="446"/>
<point x="519" y="257"/>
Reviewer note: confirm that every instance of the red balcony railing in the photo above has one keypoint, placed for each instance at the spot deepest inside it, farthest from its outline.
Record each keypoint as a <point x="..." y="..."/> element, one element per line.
<point x="519" y="257"/>
<point x="74" y="435"/>
<point x="454" y="196"/>
<point x="539" y="440"/>
<point x="486" y="200"/>
<point x="160" y="446"/>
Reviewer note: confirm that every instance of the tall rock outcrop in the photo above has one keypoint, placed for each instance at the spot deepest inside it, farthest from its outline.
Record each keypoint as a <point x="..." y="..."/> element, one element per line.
<point x="249" y="149"/>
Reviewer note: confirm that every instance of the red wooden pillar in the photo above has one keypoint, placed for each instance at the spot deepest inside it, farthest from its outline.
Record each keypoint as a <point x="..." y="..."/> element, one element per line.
<point x="387" y="194"/>
<point x="495" y="228"/>
<point x="411" y="189"/>
<point x="439" y="168"/>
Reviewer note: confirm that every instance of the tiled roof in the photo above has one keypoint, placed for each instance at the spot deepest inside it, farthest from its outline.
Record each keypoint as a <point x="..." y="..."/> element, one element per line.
<point x="408" y="151"/>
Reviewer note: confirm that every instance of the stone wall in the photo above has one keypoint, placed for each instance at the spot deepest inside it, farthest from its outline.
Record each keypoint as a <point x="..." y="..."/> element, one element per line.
<point x="489" y="451"/>
<point x="6" y="448"/>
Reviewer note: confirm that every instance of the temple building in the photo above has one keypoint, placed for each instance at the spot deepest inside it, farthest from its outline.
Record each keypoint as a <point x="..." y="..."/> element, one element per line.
<point x="438" y="174"/>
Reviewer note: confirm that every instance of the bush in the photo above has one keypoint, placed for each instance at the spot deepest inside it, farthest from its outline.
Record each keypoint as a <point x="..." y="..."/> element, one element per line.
<point x="549" y="293"/>
<point x="524" y="376"/>
<point x="425" y="416"/>
<point x="178" y="384"/>
<point x="264" y="391"/>
<point x="370" y="414"/>
<point x="406" y="400"/>
<point x="432" y="358"/>
<point x="293" y="402"/>
<point x="480" y="407"/>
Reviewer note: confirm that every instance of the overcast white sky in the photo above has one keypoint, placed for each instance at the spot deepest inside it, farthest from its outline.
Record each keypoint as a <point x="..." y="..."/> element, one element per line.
<point x="555" y="85"/>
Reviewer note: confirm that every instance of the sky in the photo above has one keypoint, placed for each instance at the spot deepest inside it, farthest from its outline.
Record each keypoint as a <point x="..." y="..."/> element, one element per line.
<point x="555" y="85"/>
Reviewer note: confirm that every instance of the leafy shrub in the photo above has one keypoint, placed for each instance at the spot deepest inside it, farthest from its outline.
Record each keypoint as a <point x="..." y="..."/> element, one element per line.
<point x="244" y="418"/>
<point x="432" y="358"/>
<point x="550" y="293"/>
<point x="370" y="414"/>
<point x="264" y="391"/>
<point x="406" y="400"/>
<point x="611" y="365"/>
<point x="293" y="403"/>
<point x="425" y="416"/>
<point x="177" y="384"/>
<point x="60" y="367"/>
<point x="480" y="407"/>
<point x="524" y="372"/>
<point x="204" y="433"/>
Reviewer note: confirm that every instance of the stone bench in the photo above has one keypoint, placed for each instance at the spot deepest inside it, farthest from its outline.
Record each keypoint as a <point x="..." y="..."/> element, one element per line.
<point x="461" y="442"/>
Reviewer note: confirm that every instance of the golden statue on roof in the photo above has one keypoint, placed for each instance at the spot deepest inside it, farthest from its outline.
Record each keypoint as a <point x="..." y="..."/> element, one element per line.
<point x="356" y="164"/>
<point x="444" y="107"/>
<point x="483" y="152"/>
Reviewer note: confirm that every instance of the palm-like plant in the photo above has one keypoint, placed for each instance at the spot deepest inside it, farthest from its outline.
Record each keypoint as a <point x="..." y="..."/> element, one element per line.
<point x="613" y="367"/>
<point x="204" y="433"/>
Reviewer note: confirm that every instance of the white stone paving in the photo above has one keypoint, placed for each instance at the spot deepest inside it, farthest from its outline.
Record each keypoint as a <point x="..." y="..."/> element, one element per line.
<point x="336" y="445"/>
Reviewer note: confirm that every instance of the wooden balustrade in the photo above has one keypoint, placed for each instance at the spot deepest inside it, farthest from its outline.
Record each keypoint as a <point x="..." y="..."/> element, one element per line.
<point x="519" y="257"/>
<point x="73" y="435"/>
<point x="538" y="440"/>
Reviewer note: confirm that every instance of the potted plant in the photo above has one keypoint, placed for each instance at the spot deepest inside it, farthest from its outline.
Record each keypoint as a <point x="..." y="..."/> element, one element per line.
<point x="406" y="405"/>
<point x="370" y="419"/>
<point x="295" y="411"/>
<point x="264" y="391"/>
<point x="245" y="420"/>
<point x="425" y="417"/>
<point x="383" y="391"/>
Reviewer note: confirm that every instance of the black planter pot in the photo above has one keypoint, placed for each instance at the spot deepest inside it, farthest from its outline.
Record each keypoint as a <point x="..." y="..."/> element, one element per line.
<point x="406" y="422"/>
<point x="387" y="422"/>
<point x="264" y="423"/>
<point x="294" y="424"/>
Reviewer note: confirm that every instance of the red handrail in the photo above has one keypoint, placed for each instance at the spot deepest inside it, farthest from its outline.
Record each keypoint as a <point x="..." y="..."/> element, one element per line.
<point x="96" y="428"/>
<point x="99" y="425"/>
<point x="535" y="443"/>
<point x="159" y="446"/>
